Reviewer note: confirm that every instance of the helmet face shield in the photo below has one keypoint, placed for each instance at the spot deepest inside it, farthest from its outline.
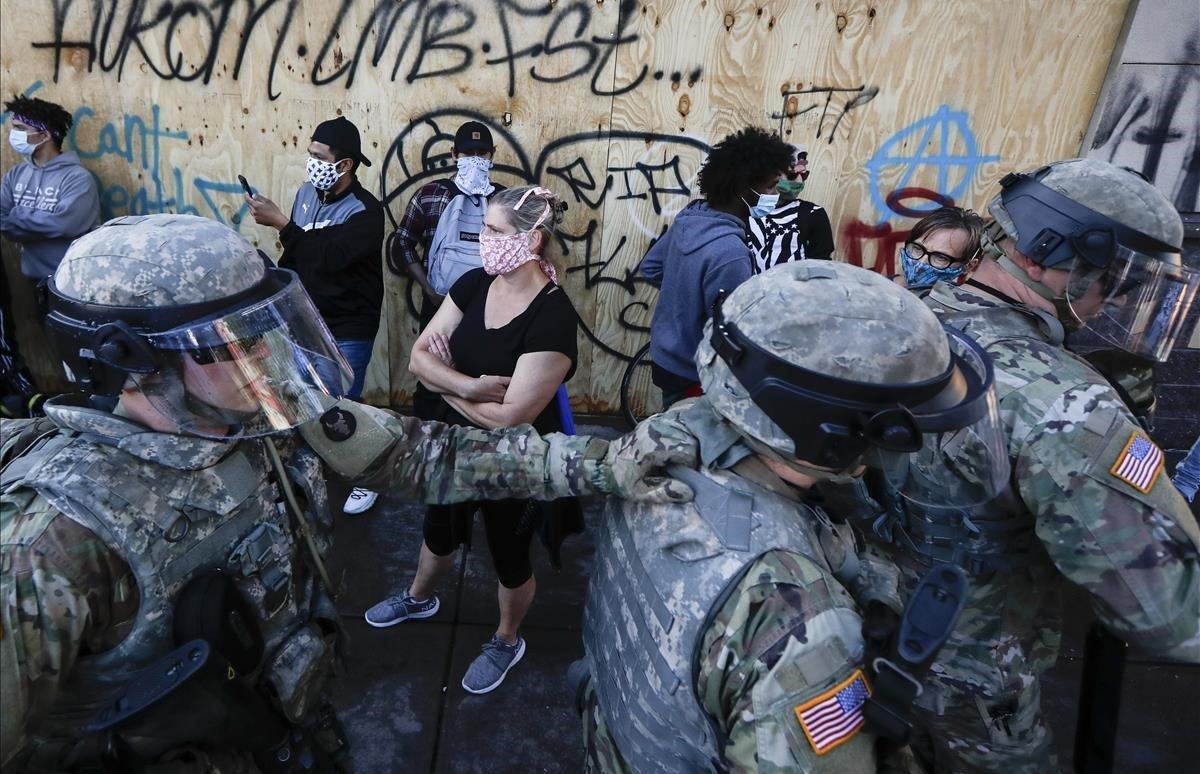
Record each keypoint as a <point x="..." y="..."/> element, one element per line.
<point x="946" y="426"/>
<point x="1137" y="302"/>
<point x="1126" y="286"/>
<point x="248" y="372"/>
<point x="963" y="457"/>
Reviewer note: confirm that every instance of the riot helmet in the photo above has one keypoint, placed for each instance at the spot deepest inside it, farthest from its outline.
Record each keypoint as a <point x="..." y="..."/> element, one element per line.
<point x="1115" y="240"/>
<point x="184" y="313"/>
<point x="835" y="366"/>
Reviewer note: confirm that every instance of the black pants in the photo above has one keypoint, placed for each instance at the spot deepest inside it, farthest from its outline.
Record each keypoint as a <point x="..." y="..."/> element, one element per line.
<point x="448" y="526"/>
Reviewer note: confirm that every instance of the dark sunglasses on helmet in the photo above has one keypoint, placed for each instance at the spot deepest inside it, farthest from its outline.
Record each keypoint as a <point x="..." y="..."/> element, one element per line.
<point x="225" y="353"/>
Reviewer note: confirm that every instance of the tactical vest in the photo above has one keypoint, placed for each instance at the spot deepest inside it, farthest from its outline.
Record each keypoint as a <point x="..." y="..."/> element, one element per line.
<point x="661" y="575"/>
<point x="993" y="537"/>
<point x="173" y="507"/>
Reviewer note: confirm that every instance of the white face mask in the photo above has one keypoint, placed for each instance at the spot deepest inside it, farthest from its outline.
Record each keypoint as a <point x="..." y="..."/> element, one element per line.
<point x="19" y="141"/>
<point x="472" y="177"/>
<point x="322" y="174"/>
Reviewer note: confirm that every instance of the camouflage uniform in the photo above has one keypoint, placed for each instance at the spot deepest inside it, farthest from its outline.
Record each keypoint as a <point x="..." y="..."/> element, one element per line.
<point x="103" y="522"/>
<point x="722" y="633"/>
<point x="1088" y="504"/>
<point x="784" y="633"/>
<point x="1133" y="551"/>
<point x="67" y="592"/>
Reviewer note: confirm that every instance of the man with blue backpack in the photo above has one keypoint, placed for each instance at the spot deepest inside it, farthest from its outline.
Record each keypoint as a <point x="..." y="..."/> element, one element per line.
<point x="444" y="219"/>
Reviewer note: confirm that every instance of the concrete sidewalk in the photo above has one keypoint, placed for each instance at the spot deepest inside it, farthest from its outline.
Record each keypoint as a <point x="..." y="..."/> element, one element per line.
<point x="405" y="710"/>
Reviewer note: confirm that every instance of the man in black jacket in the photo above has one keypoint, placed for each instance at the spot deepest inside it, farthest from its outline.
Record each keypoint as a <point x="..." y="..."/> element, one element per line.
<point x="334" y="241"/>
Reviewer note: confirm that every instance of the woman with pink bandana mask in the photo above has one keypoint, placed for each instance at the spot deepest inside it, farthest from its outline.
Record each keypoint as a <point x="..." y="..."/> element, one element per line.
<point x="495" y="352"/>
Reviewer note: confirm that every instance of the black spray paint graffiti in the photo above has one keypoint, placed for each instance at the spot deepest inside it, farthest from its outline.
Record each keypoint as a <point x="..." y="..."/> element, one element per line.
<point x="1150" y="124"/>
<point x="661" y="176"/>
<point x="796" y="103"/>
<point x="411" y="40"/>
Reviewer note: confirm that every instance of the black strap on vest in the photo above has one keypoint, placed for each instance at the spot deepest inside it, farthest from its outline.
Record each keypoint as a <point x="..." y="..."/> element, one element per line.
<point x="900" y="650"/>
<point x="196" y="683"/>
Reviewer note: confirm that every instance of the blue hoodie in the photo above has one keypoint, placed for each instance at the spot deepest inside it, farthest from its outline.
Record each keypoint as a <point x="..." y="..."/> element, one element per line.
<point x="703" y="252"/>
<point x="45" y="208"/>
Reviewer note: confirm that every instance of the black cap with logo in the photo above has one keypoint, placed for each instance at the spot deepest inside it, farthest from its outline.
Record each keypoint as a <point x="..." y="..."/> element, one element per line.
<point x="341" y="135"/>
<point x="473" y="136"/>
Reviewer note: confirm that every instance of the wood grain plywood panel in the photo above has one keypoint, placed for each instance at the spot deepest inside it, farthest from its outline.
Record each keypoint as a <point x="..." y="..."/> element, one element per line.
<point x="610" y="103"/>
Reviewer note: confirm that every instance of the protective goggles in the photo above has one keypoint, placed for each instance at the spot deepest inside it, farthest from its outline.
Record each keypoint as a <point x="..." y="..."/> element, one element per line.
<point x="834" y="422"/>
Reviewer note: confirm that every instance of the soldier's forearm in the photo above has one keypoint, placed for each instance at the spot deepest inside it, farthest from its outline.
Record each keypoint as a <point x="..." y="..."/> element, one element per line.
<point x="437" y="463"/>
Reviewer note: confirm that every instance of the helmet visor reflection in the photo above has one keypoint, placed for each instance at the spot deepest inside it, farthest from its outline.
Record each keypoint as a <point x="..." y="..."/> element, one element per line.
<point x="963" y="460"/>
<point x="249" y="372"/>
<point x="1138" y="303"/>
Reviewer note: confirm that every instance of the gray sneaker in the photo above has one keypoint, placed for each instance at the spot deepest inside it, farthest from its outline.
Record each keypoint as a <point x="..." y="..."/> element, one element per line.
<point x="394" y="610"/>
<point x="488" y="669"/>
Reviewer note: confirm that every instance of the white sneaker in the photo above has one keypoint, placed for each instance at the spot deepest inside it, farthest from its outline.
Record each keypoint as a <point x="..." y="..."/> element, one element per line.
<point x="360" y="500"/>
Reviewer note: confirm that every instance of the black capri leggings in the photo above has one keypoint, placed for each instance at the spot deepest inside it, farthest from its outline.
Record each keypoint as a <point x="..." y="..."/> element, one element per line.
<point x="445" y="524"/>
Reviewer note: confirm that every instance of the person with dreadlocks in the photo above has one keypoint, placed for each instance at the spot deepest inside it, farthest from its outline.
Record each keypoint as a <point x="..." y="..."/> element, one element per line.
<point x="705" y="251"/>
<point x="49" y="199"/>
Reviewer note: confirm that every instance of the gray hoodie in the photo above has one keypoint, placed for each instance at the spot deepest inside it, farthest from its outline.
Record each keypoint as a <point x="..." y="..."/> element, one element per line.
<point x="703" y="252"/>
<point x="45" y="208"/>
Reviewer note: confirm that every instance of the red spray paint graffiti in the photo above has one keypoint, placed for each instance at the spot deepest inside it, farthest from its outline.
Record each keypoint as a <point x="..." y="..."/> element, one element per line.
<point x="886" y="239"/>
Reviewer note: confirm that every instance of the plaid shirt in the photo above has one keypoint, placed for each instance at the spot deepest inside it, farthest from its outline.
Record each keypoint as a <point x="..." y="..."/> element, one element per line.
<point x="420" y="220"/>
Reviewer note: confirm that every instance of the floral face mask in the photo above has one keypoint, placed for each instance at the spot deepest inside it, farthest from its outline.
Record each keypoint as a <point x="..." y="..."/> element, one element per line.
<point x="502" y="254"/>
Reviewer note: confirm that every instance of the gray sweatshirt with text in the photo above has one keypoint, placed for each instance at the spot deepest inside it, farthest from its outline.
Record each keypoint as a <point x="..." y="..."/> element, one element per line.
<point x="45" y="208"/>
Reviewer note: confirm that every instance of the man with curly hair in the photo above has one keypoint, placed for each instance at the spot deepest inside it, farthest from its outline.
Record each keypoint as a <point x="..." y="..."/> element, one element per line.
<point x="49" y="199"/>
<point x="705" y="251"/>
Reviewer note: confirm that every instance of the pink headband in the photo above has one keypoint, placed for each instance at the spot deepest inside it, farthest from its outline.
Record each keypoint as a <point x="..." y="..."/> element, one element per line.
<point x="537" y="189"/>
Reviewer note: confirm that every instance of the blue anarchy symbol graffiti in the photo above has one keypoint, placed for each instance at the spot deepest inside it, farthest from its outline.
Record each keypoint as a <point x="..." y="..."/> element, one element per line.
<point x="943" y="141"/>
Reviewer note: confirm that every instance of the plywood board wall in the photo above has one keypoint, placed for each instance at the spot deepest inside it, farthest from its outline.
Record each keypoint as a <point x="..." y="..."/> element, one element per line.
<point x="612" y="104"/>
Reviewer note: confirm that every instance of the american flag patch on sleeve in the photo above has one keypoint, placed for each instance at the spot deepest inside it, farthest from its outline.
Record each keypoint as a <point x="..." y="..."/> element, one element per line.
<point x="836" y="715"/>
<point x="1139" y="463"/>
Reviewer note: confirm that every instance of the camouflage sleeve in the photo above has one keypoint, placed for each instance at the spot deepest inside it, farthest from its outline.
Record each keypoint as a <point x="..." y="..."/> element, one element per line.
<point x="439" y="463"/>
<point x="787" y="640"/>
<point x="1109" y="517"/>
<point x="51" y="607"/>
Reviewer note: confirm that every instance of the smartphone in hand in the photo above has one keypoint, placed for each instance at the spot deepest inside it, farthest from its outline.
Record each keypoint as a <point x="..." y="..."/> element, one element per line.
<point x="246" y="186"/>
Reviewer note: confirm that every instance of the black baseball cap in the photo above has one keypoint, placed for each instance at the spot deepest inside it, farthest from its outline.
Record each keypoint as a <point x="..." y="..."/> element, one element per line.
<point x="340" y="134"/>
<point x="473" y="136"/>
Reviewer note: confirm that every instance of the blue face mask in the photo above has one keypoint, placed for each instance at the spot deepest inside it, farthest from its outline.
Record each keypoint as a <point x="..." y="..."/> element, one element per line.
<point x="767" y="203"/>
<point x="918" y="273"/>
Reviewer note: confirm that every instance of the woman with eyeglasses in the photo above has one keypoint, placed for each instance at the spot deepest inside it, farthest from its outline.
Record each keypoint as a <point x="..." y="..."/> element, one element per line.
<point x="943" y="247"/>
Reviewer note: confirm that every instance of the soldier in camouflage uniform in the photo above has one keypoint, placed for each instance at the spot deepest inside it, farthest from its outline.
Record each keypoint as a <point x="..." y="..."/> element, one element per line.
<point x="722" y="634"/>
<point x="179" y="465"/>
<point x="1074" y="244"/>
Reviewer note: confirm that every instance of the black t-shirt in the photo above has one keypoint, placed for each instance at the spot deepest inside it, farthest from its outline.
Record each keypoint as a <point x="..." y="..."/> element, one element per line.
<point x="548" y="324"/>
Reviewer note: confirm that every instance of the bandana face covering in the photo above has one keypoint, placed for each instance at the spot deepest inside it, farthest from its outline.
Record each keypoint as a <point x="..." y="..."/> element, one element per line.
<point x="322" y="174"/>
<point x="918" y="273"/>
<point x="472" y="177"/>
<point x="502" y="254"/>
